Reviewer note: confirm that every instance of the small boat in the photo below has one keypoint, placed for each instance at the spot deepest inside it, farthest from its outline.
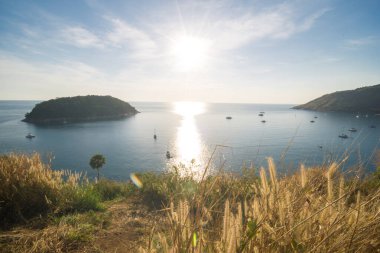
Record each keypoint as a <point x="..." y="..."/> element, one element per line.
<point x="352" y="130"/>
<point x="312" y="121"/>
<point x="155" y="136"/>
<point x="168" y="155"/>
<point x="372" y="126"/>
<point x="263" y="121"/>
<point x="343" y="136"/>
<point x="357" y="116"/>
<point x="315" y="117"/>
<point x="30" y="136"/>
<point x="228" y="117"/>
<point x="320" y="147"/>
<point x="261" y="114"/>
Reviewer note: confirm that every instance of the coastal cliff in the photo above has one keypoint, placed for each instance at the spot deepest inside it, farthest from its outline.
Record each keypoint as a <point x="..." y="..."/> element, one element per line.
<point x="79" y="109"/>
<point x="365" y="99"/>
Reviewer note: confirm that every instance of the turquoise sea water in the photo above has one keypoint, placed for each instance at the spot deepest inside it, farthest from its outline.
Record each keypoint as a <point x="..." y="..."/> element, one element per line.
<point x="193" y="133"/>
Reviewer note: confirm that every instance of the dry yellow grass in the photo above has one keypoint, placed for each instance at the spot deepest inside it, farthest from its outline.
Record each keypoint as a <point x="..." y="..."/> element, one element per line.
<point x="31" y="188"/>
<point x="315" y="210"/>
<point x="312" y="211"/>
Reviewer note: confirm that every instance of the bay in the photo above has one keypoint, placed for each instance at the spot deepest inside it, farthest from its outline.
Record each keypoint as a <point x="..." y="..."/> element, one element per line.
<point x="194" y="133"/>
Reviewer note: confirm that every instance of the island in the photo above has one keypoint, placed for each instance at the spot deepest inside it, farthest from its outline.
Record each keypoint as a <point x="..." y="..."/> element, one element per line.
<point x="363" y="100"/>
<point x="79" y="109"/>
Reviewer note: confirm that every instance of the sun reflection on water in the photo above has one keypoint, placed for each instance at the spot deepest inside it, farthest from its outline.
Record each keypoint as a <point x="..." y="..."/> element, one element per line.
<point x="189" y="148"/>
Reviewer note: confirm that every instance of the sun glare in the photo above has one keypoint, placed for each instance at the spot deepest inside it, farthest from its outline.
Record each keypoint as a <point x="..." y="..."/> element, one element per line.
<point x="189" y="109"/>
<point x="188" y="142"/>
<point x="190" y="52"/>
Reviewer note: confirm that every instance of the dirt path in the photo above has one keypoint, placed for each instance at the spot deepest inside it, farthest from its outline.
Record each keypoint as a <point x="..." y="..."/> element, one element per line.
<point x="131" y="225"/>
<point x="128" y="228"/>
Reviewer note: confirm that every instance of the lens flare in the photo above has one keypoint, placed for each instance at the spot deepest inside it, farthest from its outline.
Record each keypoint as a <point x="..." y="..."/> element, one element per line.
<point x="136" y="180"/>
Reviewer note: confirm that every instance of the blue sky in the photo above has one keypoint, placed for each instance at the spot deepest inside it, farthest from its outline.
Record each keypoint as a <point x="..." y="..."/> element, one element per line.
<point x="211" y="51"/>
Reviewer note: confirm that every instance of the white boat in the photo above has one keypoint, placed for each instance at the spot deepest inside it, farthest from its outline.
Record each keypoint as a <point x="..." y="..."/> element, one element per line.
<point x="30" y="136"/>
<point x="352" y="130"/>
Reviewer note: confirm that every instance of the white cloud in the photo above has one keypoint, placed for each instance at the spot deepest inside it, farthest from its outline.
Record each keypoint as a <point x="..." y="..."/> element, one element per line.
<point x="278" y="23"/>
<point x="80" y="37"/>
<point x="232" y="29"/>
<point x="46" y="80"/>
<point x="122" y="34"/>
<point x="362" y="41"/>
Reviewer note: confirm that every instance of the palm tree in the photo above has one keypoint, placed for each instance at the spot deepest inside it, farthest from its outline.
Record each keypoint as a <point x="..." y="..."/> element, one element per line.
<point x="97" y="161"/>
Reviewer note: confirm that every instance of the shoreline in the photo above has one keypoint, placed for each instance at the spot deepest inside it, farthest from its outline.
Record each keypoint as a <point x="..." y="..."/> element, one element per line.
<point x="58" y="121"/>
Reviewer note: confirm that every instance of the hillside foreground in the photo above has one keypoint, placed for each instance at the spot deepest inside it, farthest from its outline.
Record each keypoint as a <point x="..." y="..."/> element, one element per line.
<point x="319" y="209"/>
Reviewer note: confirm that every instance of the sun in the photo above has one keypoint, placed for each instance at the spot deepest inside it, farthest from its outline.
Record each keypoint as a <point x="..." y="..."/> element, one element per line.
<point x="190" y="52"/>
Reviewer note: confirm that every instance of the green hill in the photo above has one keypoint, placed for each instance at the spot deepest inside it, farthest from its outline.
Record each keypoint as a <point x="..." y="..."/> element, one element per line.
<point x="365" y="99"/>
<point x="78" y="109"/>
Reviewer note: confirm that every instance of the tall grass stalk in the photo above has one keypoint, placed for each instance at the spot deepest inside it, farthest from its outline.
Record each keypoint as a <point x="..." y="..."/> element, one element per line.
<point x="310" y="211"/>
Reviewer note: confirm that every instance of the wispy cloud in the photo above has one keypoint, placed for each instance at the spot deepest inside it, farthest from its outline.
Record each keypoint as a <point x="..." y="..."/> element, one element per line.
<point x="226" y="31"/>
<point x="67" y="78"/>
<point x="123" y="34"/>
<point x="232" y="29"/>
<point x="80" y="37"/>
<point x="362" y="41"/>
<point x="278" y="23"/>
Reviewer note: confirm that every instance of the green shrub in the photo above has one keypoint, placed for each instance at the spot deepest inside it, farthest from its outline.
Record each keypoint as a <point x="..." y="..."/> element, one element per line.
<point x="109" y="190"/>
<point x="159" y="189"/>
<point x="80" y="198"/>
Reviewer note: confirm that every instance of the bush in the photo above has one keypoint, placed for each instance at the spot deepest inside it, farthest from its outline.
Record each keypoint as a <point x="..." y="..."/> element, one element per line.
<point x="159" y="189"/>
<point x="28" y="187"/>
<point x="109" y="190"/>
<point x="80" y="198"/>
<point x="31" y="188"/>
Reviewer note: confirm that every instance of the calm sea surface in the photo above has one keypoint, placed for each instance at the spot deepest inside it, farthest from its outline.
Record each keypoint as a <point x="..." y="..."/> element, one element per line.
<point x="193" y="133"/>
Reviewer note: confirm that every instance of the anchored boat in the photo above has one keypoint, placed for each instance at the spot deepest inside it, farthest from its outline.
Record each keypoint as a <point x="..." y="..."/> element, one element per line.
<point x="30" y="136"/>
